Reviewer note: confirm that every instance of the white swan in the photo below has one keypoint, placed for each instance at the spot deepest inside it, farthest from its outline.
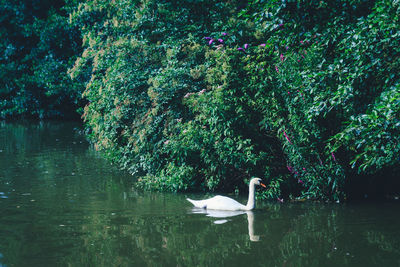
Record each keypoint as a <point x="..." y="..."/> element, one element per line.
<point x="226" y="203"/>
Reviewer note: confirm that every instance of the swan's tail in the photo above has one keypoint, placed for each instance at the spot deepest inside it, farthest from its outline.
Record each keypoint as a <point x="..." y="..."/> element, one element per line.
<point x="198" y="203"/>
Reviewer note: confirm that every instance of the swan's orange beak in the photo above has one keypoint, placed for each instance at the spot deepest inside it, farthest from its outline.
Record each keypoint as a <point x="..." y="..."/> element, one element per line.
<point x="263" y="185"/>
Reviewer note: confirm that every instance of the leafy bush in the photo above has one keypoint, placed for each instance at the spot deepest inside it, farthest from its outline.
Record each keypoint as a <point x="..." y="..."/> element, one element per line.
<point x="208" y="95"/>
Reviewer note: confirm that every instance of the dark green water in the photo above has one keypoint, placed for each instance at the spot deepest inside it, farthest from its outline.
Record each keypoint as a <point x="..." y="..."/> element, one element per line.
<point x="61" y="204"/>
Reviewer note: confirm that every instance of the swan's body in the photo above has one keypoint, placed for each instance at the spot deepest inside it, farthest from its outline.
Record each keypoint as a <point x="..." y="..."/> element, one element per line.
<point x="226" y="203"/>
<point x="218" y="203"/>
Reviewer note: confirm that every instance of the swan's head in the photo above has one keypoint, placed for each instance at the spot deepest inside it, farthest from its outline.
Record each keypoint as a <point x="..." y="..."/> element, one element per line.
<point x="257" y="181"/>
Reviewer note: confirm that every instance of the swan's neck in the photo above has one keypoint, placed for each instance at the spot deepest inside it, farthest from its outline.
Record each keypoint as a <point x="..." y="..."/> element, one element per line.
<point x="251" y="202"/>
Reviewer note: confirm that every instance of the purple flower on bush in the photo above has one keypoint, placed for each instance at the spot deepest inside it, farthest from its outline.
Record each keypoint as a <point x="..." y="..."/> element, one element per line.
<point x="300" y="181"/>
<point x="276" y="68"/>
<point x="224" y="34"/>
<point x="333" y="156"/>
<point x="246" y="46"/>
<point x="280" y="24"/>
<point x="287" y="47"/>
<point x="320" y="161"/>
<point x="240" y="49"/>
<point x="207" y="38"/>
<point x="187" y="95"/>
<point x="220" y="40"/>
<point x="263" y="45"/>
<point x="282" y="57"/>
<point x="301" y="94"/>
<point x="286" y="136"/>
<point x="211" y="41"/>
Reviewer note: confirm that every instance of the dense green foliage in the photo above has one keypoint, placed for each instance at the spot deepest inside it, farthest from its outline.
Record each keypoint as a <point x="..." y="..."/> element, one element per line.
<point x="192" y="95"/>
<point x="319" y="97"/>
<point x="37" y="46"/>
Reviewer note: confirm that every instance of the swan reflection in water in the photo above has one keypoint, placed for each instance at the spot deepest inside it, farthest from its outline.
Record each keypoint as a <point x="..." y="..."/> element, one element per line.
<point x="223" y="214"/>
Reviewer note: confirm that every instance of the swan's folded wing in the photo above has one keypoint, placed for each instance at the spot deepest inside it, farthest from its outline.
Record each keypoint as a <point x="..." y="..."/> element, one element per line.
<point x="218" y="203"/>
<point x="224" y="203"/>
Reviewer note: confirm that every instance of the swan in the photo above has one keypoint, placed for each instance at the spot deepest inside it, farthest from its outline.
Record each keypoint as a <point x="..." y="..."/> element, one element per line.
<point x="226" y="203"/>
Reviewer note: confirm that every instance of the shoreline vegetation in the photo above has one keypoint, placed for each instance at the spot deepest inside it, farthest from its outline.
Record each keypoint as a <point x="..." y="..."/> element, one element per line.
<point x="204" y="95"/>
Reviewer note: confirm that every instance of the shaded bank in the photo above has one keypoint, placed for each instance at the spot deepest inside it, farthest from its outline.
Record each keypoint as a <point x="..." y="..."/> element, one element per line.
<point x="38" y="46"/>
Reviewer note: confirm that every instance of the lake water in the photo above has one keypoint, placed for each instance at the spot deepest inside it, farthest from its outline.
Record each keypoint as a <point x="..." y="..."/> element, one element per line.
<point x="61" y="204"/>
